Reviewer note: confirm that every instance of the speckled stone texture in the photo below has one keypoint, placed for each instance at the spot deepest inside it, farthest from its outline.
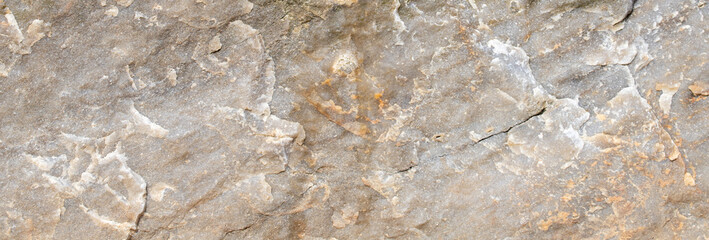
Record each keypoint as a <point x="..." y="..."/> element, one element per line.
<point x="354" y="119"/>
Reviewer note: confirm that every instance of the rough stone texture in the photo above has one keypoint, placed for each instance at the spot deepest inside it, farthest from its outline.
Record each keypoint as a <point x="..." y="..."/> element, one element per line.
<point x="347" y="119"/>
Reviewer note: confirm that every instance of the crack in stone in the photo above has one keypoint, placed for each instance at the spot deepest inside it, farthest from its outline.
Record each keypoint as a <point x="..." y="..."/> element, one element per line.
<point x="513" y="126"/>
<point x="407" y="169"/>
<point x="228" y="232"/>
<point x="627" y="15"/>
<point x="140" y="215"/>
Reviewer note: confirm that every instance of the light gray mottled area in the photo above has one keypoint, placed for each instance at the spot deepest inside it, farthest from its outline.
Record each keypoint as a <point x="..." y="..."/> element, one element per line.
<point x="347" y="119"/>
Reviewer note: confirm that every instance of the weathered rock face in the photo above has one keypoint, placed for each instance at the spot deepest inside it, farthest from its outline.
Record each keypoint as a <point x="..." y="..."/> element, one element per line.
<point x="321" y="119"/>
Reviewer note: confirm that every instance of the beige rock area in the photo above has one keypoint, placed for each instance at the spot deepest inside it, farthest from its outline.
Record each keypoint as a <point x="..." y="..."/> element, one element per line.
<point x="354" y="119"/>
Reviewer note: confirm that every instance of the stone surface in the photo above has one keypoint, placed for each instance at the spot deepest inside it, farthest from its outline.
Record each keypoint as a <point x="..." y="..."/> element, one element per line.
<point x="354" y="119"/>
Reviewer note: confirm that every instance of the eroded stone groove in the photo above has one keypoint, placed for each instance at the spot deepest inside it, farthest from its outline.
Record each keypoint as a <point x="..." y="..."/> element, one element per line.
<point x="341" y="119"/>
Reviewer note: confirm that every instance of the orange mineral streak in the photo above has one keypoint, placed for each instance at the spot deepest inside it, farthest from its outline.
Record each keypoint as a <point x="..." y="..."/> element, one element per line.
<point x="463" y="32"/>
<point x="347" y="119"/>
<point x="327" y="82"/>
<point x="559" y="218"/>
